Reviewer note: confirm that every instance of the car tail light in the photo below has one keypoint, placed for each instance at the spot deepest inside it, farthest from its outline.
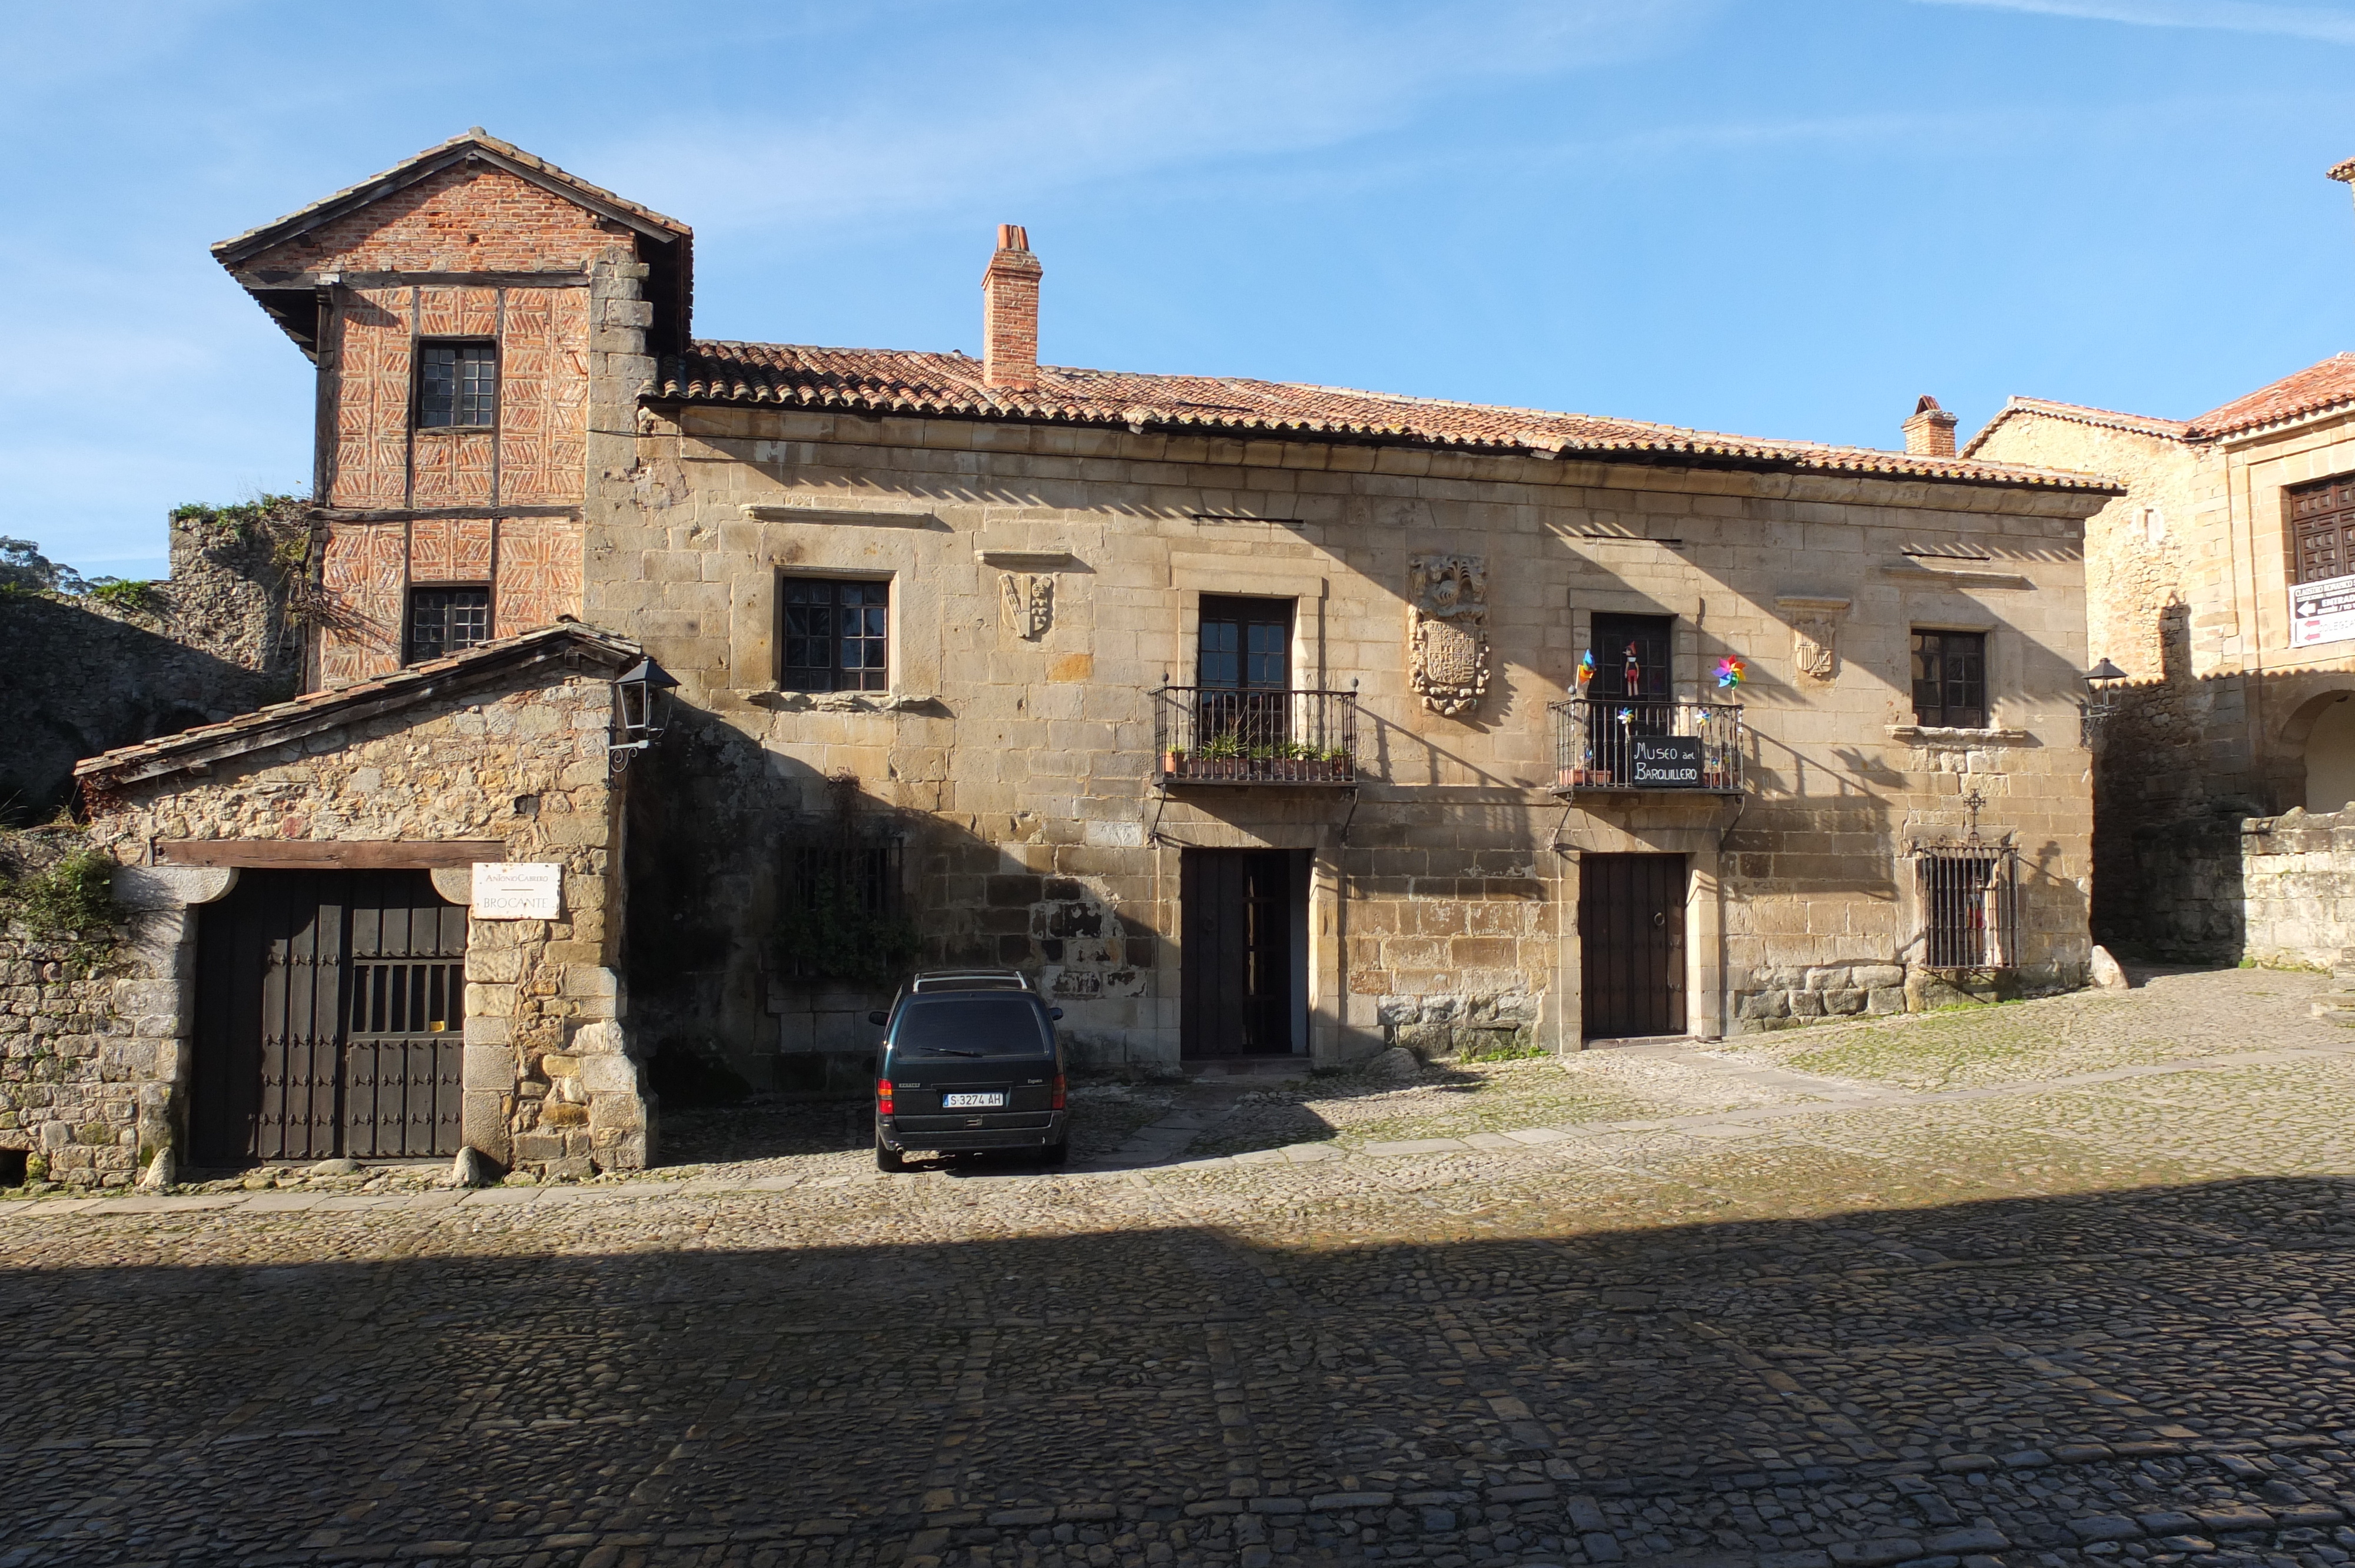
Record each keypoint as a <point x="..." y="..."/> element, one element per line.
<point x="883" y="1097"/>
<point x="1055" y="1103"/>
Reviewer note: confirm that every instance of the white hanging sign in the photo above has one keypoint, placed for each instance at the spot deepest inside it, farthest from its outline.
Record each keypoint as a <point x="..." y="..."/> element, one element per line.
<point x="517" y="890"/>
<point x="2321" y="611"/>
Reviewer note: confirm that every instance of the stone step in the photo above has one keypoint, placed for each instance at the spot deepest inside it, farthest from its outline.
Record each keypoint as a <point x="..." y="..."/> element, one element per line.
<point x="2339" y="1007"/>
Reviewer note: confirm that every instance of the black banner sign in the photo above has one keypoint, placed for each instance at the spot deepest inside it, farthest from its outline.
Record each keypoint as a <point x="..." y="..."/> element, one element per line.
<point x="1664" y="761"/>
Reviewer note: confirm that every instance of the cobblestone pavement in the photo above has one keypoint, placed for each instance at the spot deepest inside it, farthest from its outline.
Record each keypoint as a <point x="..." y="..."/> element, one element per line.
<point x="1873" y="1296"/>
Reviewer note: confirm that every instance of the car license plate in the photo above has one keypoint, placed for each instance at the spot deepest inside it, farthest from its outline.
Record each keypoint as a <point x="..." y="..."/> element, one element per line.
<point x="973" y="1102"/>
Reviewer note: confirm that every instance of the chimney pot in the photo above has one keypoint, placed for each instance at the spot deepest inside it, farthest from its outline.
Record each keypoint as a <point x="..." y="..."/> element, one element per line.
<point x="1930" y="431"/>
<point x="1009" y="314"/>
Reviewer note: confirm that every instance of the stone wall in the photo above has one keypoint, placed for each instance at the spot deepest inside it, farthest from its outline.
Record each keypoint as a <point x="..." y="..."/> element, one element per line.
<point x="2298" y="873"/>
<point x="82" y="1065"/>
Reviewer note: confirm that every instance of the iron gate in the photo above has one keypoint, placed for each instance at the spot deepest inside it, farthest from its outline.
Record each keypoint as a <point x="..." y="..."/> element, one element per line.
<point x="330" y="1019"/>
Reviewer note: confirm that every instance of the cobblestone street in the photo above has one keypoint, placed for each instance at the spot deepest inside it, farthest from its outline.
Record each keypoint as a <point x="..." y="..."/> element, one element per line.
<point x="2048" y="1283"/>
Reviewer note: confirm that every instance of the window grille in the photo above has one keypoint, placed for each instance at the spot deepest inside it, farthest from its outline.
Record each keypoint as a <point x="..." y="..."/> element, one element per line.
<point x="837" y="635"/>
<point x="864" y="876"/>
<point x="444" y="620"/>
<point x="457" y="385"/>
<point x="1970" y="909"/>
<point x="1950" y="679"/>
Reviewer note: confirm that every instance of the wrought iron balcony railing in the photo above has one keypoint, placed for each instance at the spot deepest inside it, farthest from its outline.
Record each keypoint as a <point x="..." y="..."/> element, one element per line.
<point x="1607" y="743"/>
<point x="1207" y="734"/>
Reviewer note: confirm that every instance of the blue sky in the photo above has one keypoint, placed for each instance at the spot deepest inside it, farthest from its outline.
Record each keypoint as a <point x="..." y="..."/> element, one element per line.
<point x="1784" y="217"/>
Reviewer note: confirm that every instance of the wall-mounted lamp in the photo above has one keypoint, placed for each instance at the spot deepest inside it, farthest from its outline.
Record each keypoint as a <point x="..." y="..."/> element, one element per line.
<point x="638" y="711"/>
<point x="2099" y="708"/>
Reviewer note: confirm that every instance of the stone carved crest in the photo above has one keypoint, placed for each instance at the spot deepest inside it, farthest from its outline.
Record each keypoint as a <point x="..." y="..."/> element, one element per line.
<point x="1029" y="598"/>
<point x="1447" y="631"/>
<point x="1814" y="646"/>
<point x="1814" y="636"/>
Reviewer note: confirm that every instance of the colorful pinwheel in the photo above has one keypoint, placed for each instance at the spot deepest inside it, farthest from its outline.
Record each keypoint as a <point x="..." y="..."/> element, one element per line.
<point x="1731" y="671"/>
<point x="1586" y="666"/>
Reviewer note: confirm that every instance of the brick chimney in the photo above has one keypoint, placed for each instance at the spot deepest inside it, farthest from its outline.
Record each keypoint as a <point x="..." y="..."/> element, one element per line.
<point x="1009" y="314"/>
<point x="1930" y="431"/>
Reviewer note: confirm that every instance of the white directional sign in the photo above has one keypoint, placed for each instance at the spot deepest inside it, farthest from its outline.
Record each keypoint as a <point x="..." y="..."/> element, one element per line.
<point x="517" y="890"/>
<point x="2321" y="611"/>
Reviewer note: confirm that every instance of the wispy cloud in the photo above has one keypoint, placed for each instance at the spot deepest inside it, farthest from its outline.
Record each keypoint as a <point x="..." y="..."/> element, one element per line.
<point x="1120" y="100"/>
<point x="2329" y="25"/>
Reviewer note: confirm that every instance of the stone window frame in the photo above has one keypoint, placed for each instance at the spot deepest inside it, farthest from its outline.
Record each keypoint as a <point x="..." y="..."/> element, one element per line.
<point x="1988" y="686"/>
<point x="890" y="580"/>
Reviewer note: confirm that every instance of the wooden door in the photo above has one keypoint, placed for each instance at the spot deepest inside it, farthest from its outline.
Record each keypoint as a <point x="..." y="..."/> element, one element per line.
<point x="330" y="1019"/>
<point x="1236" y="988"/>
<point x="1631" y="929"/>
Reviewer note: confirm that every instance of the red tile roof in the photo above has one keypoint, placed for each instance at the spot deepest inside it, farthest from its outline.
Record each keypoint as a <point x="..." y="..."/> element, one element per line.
<point x="315" y="711"/>
<point x="2079" y="414"/>
<point x="920" y="384"/>
<point x="2316" y="389"/>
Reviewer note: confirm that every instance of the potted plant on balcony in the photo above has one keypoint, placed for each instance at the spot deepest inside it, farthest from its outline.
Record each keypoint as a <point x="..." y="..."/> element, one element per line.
<point x="1220" y="757"/>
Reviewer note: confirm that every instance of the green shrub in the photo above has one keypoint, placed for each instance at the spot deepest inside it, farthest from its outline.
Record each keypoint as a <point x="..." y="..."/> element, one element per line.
<point x="74" y="895"/>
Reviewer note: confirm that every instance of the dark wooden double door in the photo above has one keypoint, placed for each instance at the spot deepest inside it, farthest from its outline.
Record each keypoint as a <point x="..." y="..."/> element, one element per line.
<point x="1246" y="928"/>
<point x="1631" y="931"/>
<point x="330" y="1019"/>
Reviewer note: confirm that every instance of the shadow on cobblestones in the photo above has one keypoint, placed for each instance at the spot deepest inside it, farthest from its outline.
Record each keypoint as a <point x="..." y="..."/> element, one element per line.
<point x="2151" y="1376"/>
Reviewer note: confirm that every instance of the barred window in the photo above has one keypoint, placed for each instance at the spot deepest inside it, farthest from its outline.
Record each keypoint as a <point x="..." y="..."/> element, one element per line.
<point x="457" y="385"/>
<point x="1969" y="907"/>
<point x="1950" y="679"/>
<point x="444" y="619"/>
<point x="862" y="876"/>
<point x="837" y="635"/>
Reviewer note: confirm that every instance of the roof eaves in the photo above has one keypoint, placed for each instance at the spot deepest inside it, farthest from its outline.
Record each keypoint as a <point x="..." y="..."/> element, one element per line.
<point x="316" y="713"/>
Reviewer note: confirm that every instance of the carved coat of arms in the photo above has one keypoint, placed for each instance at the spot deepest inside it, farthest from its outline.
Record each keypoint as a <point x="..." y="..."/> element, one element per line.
<point x="1447" y="631"/>
<point x="1029" y="602"/>
<point x="1814" y="646"/>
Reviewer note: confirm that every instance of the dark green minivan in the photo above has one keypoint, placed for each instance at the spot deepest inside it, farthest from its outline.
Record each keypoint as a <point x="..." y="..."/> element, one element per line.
<point x="969" y="1071"/>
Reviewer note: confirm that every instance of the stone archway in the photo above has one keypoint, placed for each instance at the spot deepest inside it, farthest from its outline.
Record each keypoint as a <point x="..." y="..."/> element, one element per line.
<point x="2321" y="735"/>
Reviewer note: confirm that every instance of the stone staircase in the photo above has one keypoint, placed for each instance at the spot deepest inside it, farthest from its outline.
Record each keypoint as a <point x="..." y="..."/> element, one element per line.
<point x="2338" y="1003"/>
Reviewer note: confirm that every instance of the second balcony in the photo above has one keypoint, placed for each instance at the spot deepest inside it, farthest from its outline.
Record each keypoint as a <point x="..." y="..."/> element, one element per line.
<point x="1626" y="744"/>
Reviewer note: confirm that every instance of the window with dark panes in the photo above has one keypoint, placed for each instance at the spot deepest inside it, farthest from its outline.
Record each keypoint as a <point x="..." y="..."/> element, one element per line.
<point x="836" y="636"/>
<point x="2322" y="527"/>
<point x="445" y="620"/>
<point x="1950" y="679"/>
<point x="457" y="385"/>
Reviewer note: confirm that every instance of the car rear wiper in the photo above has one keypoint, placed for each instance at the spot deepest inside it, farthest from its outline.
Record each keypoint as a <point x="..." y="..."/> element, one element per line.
<point x="946" y="1051"/>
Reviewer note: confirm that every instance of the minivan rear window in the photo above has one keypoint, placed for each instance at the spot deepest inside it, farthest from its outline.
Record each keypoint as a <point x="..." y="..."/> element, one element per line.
<point x="971" y="1026"/>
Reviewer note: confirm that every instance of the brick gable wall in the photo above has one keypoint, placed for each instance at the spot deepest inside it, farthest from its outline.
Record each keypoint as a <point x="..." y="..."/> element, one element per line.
<point x="465" y="218"/>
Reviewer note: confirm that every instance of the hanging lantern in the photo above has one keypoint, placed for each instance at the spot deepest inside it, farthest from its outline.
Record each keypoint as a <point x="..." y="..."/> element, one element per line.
<point x="638" y="711"/>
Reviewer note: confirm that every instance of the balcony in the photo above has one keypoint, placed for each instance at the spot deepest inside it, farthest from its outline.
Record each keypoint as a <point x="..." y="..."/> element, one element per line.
<point x="1635" y="744"/>
<point x="1213" y="736"/>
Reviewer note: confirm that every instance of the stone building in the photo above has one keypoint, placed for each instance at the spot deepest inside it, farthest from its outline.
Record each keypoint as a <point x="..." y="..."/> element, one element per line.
<point x="2221" y="581"/>
<point x="1252" y="719"/>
